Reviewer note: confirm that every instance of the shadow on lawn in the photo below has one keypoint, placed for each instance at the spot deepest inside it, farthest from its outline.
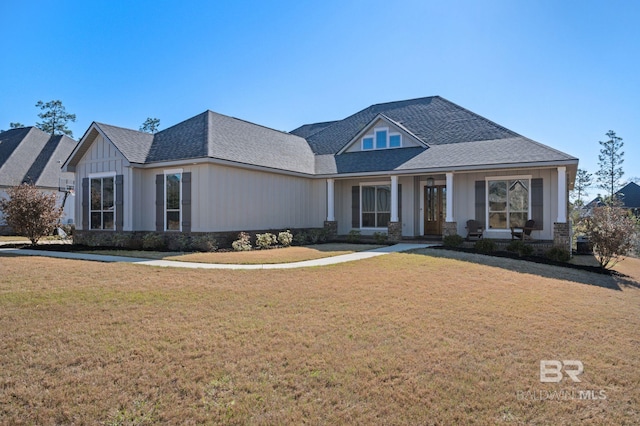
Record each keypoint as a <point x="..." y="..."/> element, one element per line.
<point x="613" y="281"/>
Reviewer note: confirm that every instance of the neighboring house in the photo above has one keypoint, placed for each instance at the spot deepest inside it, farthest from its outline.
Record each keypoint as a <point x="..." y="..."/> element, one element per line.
<point x="29" y="155"/>
<point x="629" y="196"/>
<point x="409" y="168"/>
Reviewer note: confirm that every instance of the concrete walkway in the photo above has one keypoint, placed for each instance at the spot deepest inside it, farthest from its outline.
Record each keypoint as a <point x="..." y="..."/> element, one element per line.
<point x="194" y="265"/>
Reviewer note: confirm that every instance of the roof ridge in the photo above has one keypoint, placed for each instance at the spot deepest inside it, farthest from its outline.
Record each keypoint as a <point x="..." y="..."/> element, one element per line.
<point x="254" y="124"/>
<point x="493" y="123"/>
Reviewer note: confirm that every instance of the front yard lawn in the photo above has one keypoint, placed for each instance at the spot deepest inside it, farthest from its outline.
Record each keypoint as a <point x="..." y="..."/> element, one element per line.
<point x="397" y="339"/>
<point x="275" y="255"/>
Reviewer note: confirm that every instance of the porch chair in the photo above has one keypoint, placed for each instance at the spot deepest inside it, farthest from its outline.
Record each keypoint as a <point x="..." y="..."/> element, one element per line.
<point x="523" y="232"/>
<point x="474" y="229"/>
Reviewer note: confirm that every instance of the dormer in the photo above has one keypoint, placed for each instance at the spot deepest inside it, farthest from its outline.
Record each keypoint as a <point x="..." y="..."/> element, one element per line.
<point x="382" y="133"/>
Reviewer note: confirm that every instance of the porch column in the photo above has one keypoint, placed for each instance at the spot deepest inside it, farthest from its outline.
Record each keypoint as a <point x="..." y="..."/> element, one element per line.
<point x="331" y="217"/>
<point x="394" y="198"/>
<point x="562" y="195"/>
<point x="449" y="217"/>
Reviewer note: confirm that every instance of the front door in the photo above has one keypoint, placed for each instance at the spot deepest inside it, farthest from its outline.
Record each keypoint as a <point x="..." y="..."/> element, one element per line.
<point x="435" y="199"/>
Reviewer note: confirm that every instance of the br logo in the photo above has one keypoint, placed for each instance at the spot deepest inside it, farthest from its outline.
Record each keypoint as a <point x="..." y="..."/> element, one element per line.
<point x="551" y="370"/>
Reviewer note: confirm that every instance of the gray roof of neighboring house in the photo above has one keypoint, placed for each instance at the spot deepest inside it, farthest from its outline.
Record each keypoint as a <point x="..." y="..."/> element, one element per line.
<point x="434" y="120"/>
<point x="30" y="155"/>
<point x="630" y="195"/>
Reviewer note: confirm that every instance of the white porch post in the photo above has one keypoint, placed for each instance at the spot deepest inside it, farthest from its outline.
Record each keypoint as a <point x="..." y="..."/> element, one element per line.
<point x="394" y="198"/>
<point x="449" y="217"/>
<point x="331" y="217"/>
<point x="562" y="195"/>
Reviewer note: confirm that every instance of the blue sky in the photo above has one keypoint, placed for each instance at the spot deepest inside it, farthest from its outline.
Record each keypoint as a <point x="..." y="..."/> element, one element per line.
<point x="560" y="72"/>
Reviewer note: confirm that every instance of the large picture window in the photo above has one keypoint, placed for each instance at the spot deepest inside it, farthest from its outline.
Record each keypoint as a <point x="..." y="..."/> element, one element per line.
<point x="173" y="198"/>
<point x="376" y="206"/>
<point x="508" y="203"/>
<point x="102" y="207"/>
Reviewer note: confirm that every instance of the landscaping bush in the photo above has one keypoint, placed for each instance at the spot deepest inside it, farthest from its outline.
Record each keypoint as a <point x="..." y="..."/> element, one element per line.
<point x="178" y="242"/>
<point x="266" y="240"/>
<point x="153" y="241"/>
<point x="300" y="239"/>
<point x="204" y="243"/>
<point x="120" y="240"/>
<point x="612" y="232"/>
<point x="558" y="254"/>
<point x="485" y="246"/>
<point x="353" y="236"/>
<point x="380" y="237"/>
<point x="285" y="238"/>
<point x="520" y="247"/>
<point x="452" y="241"/>
<point x="30" y="212"/>
<point x="243" y="243"/>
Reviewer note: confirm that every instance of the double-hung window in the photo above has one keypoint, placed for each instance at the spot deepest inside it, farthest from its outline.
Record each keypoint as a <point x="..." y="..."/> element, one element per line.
<point x="376" y="206"/>
<point x="509" y="203"/>
<point x="173" y="200"/>
<point x="102" y="204"/>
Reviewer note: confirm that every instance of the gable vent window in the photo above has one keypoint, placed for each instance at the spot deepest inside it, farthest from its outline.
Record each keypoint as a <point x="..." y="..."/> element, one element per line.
<point x="381" y="139"/>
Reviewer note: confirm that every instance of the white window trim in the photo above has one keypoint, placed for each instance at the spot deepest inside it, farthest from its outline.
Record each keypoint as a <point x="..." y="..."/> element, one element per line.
<point x="379" y="183"/>
<point x="172" y="172"/>
<point x="103" y="175"/>
<point x="486" y="196"/>
<point x="374" y="137"/>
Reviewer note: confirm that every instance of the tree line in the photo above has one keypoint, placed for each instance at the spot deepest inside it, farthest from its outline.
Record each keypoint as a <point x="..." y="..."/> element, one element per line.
<point x="55" y="120"/>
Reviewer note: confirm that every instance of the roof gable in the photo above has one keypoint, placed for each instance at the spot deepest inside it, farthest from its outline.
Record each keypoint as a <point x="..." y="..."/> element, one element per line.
<point x="630" y="195"/>
<point x="433" y="120"/>
<point x="380" y="120"/>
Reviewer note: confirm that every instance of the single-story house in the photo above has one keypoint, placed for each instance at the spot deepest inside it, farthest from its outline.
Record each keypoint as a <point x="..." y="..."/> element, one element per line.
<point x="412" y="168"/>
<point x="29" y="155"/>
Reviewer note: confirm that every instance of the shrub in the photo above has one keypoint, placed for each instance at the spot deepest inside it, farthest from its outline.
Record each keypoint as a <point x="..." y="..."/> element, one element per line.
<point x="520" y="247"/>
<point x="353" y="236"/>
<point x="316" y="236"/>
<point x="30" y="212"/>
<point x="120" y="240"/>
<point x="266" y="240"/>
<point x="485" y="246"/>
<point x="152" y="241"/>
<point x="300" y="238"/>
<point x="204" y="243"/>
<point x="612" y="232"/>
<point x="285" y="238"/>
<point x="178" y="242"/>
<point x="380" y="237"/>
<point x="243" y="243"/>
<point x="558" y="254"/>
<point x="454" y="240"/>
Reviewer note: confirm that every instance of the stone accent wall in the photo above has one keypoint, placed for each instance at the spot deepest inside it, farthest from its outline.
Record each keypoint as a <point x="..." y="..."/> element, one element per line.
<point x="331" y="228"/>
<point x="449" y="228"/>
<point x="562" y="235"/>
<point x="394" y="232"/>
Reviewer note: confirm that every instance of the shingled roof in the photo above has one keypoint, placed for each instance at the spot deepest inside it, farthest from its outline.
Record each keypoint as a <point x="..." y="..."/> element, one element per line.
<point x="30" y="155"/>
<point x="453" y="138"/>
<point x="434" y="120"/>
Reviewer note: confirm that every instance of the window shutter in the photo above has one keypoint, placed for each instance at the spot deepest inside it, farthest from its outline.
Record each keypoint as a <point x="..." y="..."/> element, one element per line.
<point x="160" y="203"/>
<point x="537" y="210"/>
<point x="186" y="202"/>
<point x="399" y="203"/>
<point x="119" y="202"/>
<point x="355" y="207"/>
<point x="481" y="213"/>
<point x="85" y="203"/>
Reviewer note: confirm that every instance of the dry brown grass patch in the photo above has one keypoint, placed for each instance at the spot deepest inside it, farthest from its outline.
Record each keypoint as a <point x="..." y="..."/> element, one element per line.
<point x="398" y="339"/>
